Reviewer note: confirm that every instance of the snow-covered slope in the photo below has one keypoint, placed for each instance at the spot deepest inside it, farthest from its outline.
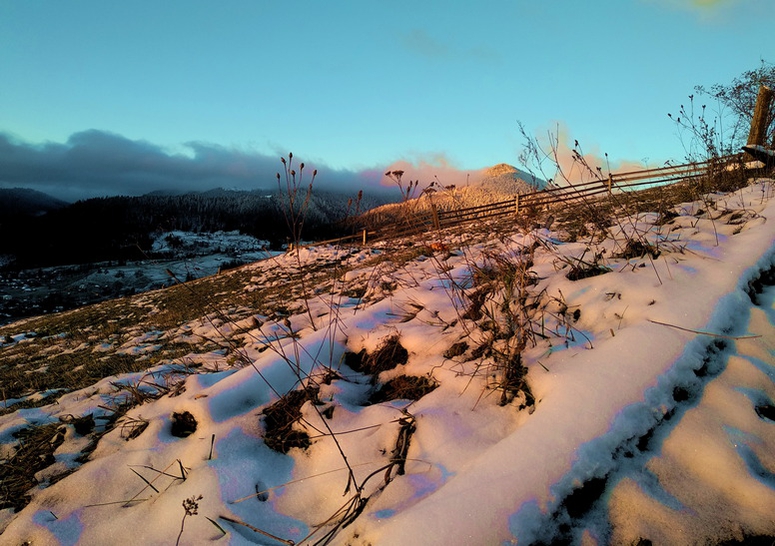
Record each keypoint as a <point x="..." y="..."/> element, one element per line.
<point x="491" y="185"/>
<point x="506" y="179"/>
<point x="632" y="404"/>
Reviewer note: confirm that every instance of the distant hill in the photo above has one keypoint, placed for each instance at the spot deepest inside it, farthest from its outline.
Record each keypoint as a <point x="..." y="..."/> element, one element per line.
<point x="27" y="202"/>
<point x="122" y="228"/>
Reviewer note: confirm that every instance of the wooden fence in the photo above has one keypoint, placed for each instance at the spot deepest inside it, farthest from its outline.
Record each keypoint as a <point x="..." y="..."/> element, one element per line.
<point x="436" y="218"/>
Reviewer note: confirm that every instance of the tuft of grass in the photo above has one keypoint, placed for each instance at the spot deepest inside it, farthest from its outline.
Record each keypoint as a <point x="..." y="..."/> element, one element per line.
<point x="34" y="452"/>
<point x="132" y="427"/>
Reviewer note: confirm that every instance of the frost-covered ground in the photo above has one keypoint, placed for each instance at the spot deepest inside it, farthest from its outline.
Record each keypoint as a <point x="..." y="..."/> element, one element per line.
<point x="647" y="411"/>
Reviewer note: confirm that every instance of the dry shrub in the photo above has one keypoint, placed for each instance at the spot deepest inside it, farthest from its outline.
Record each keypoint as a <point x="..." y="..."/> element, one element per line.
<point x="131" y="428"/>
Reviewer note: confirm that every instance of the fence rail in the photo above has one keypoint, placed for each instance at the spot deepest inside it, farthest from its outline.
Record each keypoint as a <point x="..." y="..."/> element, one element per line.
<point x="437" y="218"/>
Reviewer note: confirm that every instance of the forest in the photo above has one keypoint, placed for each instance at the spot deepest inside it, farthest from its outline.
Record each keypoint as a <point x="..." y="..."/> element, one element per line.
<point x="122" y="228"/>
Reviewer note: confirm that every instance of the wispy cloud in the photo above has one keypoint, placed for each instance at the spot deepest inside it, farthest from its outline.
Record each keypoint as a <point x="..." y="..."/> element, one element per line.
<point x="711" y="3"/>
<point x="421" y="43"/>
<point x="706" y="9"/>
<point x="577" y="161"/>
<point x="426" y="168"/>
<point x="97" y="163"/>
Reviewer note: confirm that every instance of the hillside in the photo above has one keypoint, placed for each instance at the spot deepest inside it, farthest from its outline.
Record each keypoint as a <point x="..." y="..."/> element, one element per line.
<point x="605" y="378"/>
<point x="121" y="228"/>
<point x="491" y="185"/>
<point x="16" y="202"/>
<point x="506" y="180"/>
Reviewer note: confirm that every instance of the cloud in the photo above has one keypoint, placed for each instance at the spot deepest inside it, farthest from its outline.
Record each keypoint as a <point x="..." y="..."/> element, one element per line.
<point x="427" y="168"/>
<point x="577" y="161"/>
<point x="711" y="3"/>
<point x="421" y="43"/>
<point x="96" y="163"/>
<point x="704" y="8"/>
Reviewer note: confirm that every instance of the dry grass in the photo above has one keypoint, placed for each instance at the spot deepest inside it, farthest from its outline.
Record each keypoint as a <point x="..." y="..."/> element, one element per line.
<point x="34" y="452"/>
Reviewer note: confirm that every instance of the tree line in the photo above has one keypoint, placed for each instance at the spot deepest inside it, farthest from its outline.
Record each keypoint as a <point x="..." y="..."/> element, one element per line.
<point x="123" y="228"/>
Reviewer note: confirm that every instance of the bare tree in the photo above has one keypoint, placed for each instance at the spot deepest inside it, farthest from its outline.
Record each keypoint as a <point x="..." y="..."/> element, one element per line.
<point x="736" y="101"/>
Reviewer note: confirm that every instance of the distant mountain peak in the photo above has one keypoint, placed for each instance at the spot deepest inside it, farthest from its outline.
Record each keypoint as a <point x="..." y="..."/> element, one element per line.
<point x="507" y="179"/>
<point x="500" y="169"/>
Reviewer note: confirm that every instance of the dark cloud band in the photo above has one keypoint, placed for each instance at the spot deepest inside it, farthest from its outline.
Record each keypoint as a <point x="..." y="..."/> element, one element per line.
<point x="97" y="163"/>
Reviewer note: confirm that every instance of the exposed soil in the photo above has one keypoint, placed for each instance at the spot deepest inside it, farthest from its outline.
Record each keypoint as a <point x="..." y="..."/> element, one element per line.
<point x="279" y="418"/>
<point x="403" y="387"/>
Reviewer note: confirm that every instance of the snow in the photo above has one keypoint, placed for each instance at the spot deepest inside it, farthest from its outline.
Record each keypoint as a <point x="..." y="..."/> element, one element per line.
<point x="645" y="399"/>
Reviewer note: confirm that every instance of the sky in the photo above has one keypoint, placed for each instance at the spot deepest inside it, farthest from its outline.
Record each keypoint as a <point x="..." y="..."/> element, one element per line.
<point x="157" y="91"/>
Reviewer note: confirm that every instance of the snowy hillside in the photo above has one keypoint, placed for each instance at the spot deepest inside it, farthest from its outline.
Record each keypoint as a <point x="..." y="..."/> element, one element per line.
<point x="491" y="185"/>
<point x="506" y="180"/>
<point x="499" y="385"/>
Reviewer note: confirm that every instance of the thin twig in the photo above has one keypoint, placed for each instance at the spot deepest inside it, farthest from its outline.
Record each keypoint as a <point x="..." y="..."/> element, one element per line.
<point x="257" y="530"/>
<point x="711" y="334"/>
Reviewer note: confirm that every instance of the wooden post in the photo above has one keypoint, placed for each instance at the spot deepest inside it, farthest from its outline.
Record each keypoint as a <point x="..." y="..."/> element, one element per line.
<point x="516" y="205"/>
<point x="610" y="183"/>
<point x="436" y="223"/>
<point x="759" y="121"/>
<point x="364" y="237"/>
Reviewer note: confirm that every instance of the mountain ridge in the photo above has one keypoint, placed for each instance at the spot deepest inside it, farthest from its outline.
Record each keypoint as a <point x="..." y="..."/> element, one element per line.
<point x="28" y="202"/>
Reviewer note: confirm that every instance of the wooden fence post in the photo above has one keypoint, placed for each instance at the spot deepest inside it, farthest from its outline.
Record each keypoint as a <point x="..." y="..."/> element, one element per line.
<point x="759" y="121"/>
<point x="610" y="183"/>
<point x="516" y="205"/>
<point x="436" y="223"/>
<point x="364" y="237"/>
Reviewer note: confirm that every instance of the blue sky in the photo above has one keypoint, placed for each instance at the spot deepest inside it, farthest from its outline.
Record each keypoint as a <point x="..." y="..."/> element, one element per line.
<point x="356" y="86"/>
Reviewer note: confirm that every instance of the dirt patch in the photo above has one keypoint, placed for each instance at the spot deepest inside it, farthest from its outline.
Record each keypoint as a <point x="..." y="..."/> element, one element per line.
<point x="515" y="385"/>
<point x="388" y="355"/>
<point x="354" y="361"/>
<point x="766" y="411"/>
<point x="456" y="349"/>
<point x="584" y="271"/>
<point x="280" y="417"/>
<point x="403" y="387"/>
<point x="474" y="311"/>
<point x="637" y="249"/>
<point x="183" y="424"/>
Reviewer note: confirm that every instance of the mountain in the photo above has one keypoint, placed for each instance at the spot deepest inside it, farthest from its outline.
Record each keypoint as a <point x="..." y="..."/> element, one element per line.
<point x="494" y="184"/>
<point x="507" y="179"/>
<point x="27" y="202"/>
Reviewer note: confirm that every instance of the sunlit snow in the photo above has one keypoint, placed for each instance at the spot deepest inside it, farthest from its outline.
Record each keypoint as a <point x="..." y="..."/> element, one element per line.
<point x="647" y="420"/>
